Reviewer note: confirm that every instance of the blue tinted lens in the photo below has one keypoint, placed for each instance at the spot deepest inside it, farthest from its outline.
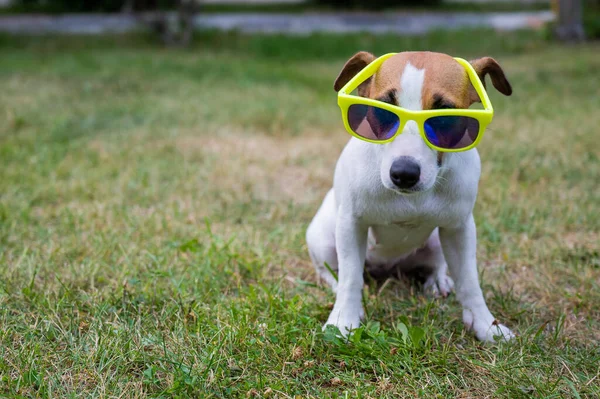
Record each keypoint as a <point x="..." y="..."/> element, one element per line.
<point x="372" y="122"/>
<point x="451" y="132"/>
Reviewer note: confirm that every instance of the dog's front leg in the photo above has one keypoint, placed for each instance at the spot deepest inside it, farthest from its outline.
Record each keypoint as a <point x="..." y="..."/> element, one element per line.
<point x="351" y="243"/>
<point x="459" y="246"/>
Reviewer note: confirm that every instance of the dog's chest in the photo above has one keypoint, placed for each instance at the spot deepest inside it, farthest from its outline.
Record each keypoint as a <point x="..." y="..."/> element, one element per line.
<point x="399" y="225"/>
<point x="407" y="215"/>
<point x="395" y="240"/>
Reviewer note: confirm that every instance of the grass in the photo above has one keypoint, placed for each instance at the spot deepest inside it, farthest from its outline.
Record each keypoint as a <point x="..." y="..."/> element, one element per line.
<point x="153" y="205"/>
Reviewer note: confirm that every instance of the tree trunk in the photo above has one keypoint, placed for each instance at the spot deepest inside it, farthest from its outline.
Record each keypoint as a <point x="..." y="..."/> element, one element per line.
<point x="569" y="26"/>
<point x="128" y="6"/>
<point x="174" y="29"/>
<point x="186" y="11"/>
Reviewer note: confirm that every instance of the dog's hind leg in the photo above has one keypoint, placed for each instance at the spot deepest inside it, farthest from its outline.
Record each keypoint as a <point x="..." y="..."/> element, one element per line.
<point x="320" y="238"/>
<point x="427" y="265"/>
<point x="438" y="283"/>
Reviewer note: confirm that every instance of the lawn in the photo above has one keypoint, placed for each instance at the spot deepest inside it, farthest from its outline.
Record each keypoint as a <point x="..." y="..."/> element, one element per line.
<point x="153" y="205"/>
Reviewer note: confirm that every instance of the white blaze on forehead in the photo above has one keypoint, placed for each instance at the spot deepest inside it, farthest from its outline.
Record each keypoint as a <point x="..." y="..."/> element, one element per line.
<point x="411" y="86"/>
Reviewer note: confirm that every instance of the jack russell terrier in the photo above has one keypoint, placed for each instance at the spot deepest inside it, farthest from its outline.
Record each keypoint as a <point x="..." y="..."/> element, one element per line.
<point x="407" y="201"/>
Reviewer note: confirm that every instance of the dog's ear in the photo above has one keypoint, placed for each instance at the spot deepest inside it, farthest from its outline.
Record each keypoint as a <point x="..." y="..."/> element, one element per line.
<point x="488" y="66"/>
<point x="353" y="66"/>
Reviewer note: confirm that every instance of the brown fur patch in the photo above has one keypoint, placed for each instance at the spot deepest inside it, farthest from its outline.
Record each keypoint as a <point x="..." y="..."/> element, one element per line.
<point x="444" y="77"/>
<point x="440" y="158"/>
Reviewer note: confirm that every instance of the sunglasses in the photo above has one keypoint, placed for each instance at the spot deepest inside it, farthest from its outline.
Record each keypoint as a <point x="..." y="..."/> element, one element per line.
<point x="446" y="130"/>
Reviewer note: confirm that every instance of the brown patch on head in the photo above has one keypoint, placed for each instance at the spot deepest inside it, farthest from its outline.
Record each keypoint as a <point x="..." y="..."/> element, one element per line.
<point x="446" y="83"/>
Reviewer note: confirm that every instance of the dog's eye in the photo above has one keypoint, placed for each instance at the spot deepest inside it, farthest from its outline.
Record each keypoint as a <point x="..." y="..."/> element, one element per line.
<point x="440" y="102"/>
<point x="389" y="97"/>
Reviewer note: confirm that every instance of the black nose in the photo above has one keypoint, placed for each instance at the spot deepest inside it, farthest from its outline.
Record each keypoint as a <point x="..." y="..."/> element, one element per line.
<point x="405" y="172"/>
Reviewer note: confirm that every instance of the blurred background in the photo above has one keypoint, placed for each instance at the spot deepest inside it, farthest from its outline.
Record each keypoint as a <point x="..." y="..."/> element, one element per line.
<point x="174" y="20"/>
<point x="161" y="160"/>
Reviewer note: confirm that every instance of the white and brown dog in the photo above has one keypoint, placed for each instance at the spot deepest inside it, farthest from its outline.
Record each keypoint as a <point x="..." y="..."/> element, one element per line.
<point x="401" y="204"/>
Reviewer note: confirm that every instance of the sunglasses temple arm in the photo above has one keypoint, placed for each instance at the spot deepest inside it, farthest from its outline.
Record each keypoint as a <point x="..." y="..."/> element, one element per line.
<point x="479" y="87"/>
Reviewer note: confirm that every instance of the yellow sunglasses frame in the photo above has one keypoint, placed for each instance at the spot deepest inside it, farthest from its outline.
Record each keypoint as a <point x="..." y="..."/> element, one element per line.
<point x="483" y="116"/>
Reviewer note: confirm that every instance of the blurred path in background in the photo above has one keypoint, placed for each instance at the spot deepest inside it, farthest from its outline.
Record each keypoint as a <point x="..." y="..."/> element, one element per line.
<point x="410" y="23"/>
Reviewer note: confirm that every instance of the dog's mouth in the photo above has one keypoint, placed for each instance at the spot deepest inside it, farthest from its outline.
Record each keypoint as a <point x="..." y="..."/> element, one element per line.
<point x="416" y="190"/>
<point x="408" y="191"/>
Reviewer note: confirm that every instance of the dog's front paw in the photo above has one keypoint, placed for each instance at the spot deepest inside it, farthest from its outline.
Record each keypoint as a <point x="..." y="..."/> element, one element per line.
<point x="486" y="329"/>
<point x="345" y="318"/>
<point x="438" y="285"/>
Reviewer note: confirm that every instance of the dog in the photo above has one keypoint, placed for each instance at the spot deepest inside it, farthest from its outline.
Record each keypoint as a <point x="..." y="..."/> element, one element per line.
<point x="402" y="204"/>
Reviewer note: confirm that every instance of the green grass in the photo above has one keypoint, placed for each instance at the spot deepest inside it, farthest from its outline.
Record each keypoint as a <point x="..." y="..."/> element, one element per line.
<point x="153" y="205"/>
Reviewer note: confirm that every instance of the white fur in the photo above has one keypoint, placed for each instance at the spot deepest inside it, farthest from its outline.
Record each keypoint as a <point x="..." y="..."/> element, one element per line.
<point x="366" y="218"/>
<point x="410" y="142"/>
<point x="411" y="82"/>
